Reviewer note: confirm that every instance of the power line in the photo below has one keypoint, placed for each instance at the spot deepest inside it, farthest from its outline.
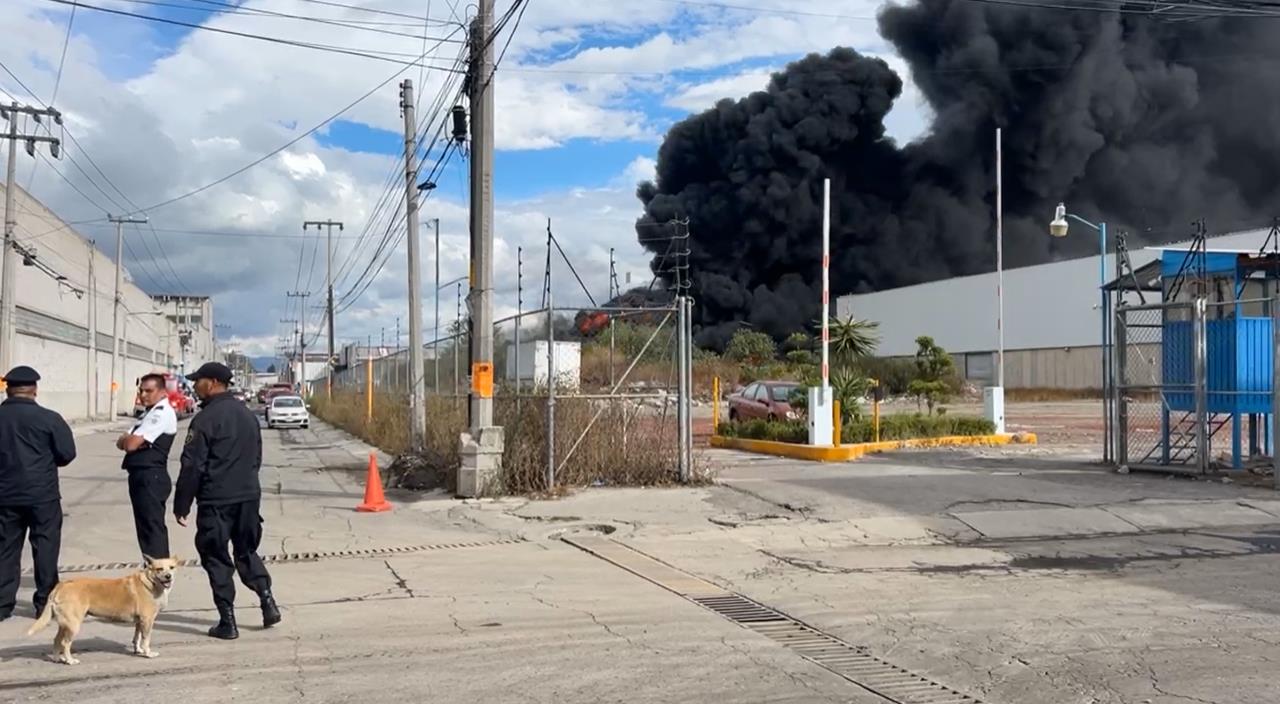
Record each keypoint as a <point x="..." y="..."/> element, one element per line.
<point x="357" y="8"/>
<point x="227" y="8"/>
<point x="374" y="54"/>
<point x="57" y="83"/>
<point x="284" y="146"/>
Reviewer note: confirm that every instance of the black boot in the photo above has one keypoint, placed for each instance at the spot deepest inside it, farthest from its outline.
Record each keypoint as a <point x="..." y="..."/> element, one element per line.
<point x="226" y="628"/>
<point x="270" y="612"/>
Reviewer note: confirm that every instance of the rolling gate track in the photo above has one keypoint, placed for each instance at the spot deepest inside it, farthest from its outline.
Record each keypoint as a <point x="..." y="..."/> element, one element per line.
<point x="853" y="663"/>
<point x="300" y="556"/>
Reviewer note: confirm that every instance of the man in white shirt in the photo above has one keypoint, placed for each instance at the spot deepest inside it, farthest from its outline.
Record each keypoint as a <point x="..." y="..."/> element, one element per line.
<point x="146" y="460"/>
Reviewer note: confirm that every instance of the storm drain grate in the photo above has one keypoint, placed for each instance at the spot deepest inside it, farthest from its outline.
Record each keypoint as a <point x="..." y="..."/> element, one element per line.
<point x="849" y="661"/>
<point x="281" y="558"/>
<point x="853" y="663"/>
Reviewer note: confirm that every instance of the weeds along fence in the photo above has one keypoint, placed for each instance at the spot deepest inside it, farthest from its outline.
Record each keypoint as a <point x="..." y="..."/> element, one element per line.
<point x="614" y="411"/>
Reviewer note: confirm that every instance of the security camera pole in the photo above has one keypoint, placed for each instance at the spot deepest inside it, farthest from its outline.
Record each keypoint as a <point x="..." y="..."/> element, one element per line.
<point x="8" y="269"/>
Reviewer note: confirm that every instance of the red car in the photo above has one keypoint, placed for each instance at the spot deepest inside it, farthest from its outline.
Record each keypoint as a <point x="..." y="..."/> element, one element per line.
<point x="769" y="400"/>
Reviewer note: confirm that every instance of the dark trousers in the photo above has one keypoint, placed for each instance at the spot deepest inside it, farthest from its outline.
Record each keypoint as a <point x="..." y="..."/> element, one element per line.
<point x="241" y="525"/>
<point x="148" y="491"/>
<point x="43" y="523"/>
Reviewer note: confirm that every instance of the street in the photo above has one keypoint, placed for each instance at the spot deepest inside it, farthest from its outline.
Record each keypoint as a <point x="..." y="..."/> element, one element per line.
<point x="1007" y="576"/>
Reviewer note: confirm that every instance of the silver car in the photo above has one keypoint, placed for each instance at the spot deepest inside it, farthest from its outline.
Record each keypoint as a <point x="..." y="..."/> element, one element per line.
<point x="288" y="412"/>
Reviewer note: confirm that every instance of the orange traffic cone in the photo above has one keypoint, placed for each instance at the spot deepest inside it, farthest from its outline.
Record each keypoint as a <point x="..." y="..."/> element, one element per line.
<point x="374" y="501"/>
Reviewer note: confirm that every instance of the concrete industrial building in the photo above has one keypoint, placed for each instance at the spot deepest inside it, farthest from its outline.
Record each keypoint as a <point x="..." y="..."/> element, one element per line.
<point x="1052" y="317"/>
<point x="54" y="300"/>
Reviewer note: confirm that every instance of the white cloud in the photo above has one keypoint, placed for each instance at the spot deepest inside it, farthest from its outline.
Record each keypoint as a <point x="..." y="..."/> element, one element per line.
<point x="214" y="103"/>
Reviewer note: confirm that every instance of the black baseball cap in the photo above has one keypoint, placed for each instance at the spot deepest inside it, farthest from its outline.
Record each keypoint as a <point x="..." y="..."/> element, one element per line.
<point x="211" y="370"/>
<point x="21" y="376"/>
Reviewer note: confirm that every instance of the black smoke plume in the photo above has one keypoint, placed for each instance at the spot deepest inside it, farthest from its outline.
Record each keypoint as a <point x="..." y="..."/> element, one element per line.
<point x="1142" y="123"/>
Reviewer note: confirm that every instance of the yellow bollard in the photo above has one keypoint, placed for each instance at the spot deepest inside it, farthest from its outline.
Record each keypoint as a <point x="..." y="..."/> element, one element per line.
<point x="368" y="391"/>
<point x="835" y="422"/>
<point x="875" y="419"/>
<point x="715" y="404"/>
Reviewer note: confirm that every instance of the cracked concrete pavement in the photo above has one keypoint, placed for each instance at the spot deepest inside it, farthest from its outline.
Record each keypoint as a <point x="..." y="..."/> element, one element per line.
<point x="1016" y="575"/>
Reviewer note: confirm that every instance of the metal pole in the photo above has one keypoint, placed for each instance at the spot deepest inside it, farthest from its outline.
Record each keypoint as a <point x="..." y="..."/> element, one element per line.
<point x="551" y="370"/>
<point x="435" y="345"/>
<point x="1106" y="342"/>
<point x="8" y="268"/>
<point x="480" y="298"/>
<point x="328" y="257"/>
<point x="681" y="425"/>
<point x="417" y="390"/>
<point x="826" y="286"/>
<point x="612" y="278"/>
<point x="1275" y="392"/>
<point x="1116" y="370"/>
<point x="91" y="368"/>
<point x="118" y="357"/>
<point x="1122" y="407"/>
<point x="1202" y="437"/>
<point x="999" y="261"/>
<point x="519" y="321"/>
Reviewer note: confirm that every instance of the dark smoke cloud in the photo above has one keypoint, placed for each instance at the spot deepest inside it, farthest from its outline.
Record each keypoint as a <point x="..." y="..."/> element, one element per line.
<point x="1142" y="123"/>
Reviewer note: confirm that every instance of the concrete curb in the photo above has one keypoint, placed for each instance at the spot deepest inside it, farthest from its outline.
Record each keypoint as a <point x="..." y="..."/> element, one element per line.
<point x="845" y="453"/>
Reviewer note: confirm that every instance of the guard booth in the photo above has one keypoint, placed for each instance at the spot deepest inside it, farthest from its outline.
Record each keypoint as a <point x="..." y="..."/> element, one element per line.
<point x="1192" y="386"/>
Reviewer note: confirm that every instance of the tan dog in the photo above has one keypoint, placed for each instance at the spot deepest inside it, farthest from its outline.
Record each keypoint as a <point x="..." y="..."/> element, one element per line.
<point x="137" y="598"/>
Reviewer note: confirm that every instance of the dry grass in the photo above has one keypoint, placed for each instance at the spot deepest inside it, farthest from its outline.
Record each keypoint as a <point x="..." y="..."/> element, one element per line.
<point x="1050" y="395"/>
<point x="627" y="445"/>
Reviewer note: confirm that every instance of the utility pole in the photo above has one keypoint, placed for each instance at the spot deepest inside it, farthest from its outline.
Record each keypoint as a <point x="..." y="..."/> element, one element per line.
<point x="119" y="356"/>
<point x="302" y="337"/>
<point x="8" y="267"/>
<point x="91" y="366"/>
<point x="328" y="258"/>
<point x="482" y="444"/>
<point x="294" y="323"/>
<point x="417" y="382"/>
<point x="435" y="344"/>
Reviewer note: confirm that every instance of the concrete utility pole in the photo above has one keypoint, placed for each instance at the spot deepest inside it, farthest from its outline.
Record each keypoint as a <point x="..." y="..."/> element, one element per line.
<point x="91" y="365"/>
<point x="8" y="267"/>
<point x="294" y="323"/>
<point x="417" y="382"/>
<point x="119" y="356"/>
<point x="302" y="338"/>
<point x="482" y="444"/>
<point x="328" y="258"/>
<point x="435" y="340"/>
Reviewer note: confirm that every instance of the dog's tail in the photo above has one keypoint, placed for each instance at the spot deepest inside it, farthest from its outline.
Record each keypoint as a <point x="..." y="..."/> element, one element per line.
<point x="45" y="616"/>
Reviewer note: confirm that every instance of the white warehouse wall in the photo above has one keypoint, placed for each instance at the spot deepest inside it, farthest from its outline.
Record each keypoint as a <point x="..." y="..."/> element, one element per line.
<point x="1048" y="306"/>
<point x="53" y="321"/>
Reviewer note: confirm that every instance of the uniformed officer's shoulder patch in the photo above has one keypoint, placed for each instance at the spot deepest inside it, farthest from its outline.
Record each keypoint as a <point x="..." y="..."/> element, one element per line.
<point x="190" y="436"/>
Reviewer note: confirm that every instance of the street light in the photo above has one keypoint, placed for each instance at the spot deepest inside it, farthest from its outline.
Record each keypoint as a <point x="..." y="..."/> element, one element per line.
<point x="1058" y="228"/>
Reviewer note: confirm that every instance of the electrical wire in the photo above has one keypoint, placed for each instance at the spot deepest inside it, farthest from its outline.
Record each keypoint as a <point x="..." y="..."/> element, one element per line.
<point x="373" y="54"/>
<point x="226" y="8"/>
<point x="284" y="146"/>
<point x="57" y="83"/>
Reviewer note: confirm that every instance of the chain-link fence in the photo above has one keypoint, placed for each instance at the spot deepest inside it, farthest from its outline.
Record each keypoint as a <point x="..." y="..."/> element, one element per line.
<point x="1195" y="384"/>
<point x="590" y="394"/>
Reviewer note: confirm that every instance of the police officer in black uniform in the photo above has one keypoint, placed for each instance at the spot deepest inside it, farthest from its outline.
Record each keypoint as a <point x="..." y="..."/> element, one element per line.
<point x="146" y="460"/>
<point x="220" y="462"/>
<point x="34" y="443"/>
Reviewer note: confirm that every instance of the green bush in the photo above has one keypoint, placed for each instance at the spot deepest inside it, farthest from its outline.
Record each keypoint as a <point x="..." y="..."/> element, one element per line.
<point x="904" y="426"/>
<point x="778" y="431"/>
<point x="895" y="375"/>
<point x="802" y="358"/>
<point x="899" y="426"/>
<point x="750" y="346"/>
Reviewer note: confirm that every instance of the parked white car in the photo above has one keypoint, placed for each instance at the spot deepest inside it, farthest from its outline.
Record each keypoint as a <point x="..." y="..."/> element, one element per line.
<point x="288" y="412"/>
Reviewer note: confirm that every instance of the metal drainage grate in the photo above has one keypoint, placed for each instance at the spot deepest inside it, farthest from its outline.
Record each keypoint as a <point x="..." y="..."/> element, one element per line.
<point x="298" y="556"/>
<point x="850" y="662"/>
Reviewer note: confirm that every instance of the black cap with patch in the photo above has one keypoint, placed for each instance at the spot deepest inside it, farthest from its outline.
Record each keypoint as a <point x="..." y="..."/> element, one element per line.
<point x="212" y="370"/>
<point x="21" y="376"/>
